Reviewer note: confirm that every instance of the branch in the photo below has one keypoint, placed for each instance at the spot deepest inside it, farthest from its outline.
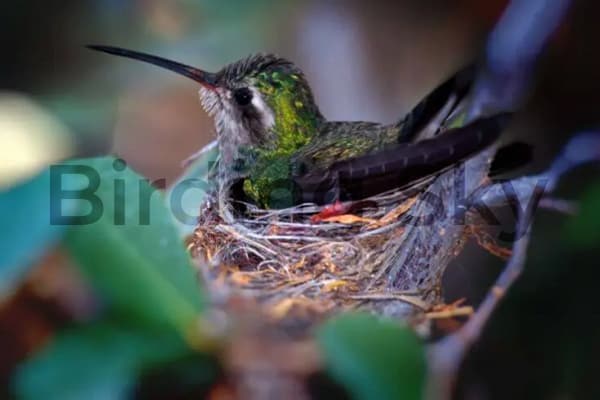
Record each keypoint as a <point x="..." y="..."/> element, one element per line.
<point x="513" y="49"/>
<point x="514" y="46"/>
<point x="447" y="355"/>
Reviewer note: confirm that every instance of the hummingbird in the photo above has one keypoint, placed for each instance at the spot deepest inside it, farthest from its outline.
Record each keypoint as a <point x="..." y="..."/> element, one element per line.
<point x="277" y="149"/>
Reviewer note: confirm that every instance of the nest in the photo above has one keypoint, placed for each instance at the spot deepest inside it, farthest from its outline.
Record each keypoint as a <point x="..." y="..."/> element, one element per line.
<point x="273" y="275"/>
<point x="386" y="254"/>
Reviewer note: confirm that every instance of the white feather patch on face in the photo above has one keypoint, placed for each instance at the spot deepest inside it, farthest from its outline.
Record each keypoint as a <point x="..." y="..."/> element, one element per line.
<point x="209" y="100"/>
<point x="267" y="117"/>
<point x="232" y="130"/>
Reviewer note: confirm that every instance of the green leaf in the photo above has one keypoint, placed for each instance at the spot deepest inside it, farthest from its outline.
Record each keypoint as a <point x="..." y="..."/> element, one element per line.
<point x="26" y="228"/>
<point x="584" y="229"/>
<point x="373" y="358"/>
<point x="132" y="252"/>
<point x="185" y="196"/>
<point x="101" y="361"/>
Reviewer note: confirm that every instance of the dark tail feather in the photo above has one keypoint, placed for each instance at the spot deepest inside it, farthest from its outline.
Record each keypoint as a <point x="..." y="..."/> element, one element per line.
<point x="401" y="166"/>
<point x="428" y="108"/>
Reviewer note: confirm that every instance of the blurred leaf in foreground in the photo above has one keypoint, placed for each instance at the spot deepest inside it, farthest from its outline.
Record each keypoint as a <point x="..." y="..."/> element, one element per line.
<point x="132" y="252"/>
<point x="26" y="229"/>
<point x="100" y="361"/>
<point x="373" y="358"/>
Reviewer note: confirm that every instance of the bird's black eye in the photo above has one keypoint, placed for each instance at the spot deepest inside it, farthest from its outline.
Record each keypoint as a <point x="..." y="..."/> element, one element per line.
<point x="243" y="96"/>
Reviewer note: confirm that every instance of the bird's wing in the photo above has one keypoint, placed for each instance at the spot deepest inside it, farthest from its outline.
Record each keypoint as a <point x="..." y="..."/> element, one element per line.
<point x="399" y="166"/>
<point x="425" y="119"/>
<point x="344" y="140"/>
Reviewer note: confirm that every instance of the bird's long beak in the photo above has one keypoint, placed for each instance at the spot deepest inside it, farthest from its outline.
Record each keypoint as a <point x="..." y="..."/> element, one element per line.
<point x="206" y="79"/>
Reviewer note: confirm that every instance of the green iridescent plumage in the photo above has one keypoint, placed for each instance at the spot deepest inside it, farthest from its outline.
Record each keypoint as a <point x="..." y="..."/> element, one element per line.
<point x="295" y="125"/>
<point x="295" y="118"/>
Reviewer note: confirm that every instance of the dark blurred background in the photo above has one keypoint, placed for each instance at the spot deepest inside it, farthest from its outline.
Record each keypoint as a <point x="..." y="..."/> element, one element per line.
<point x="365" y="61"/>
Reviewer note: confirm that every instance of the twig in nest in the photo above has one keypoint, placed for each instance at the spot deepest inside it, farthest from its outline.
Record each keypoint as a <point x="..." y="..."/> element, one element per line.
<point x="395" y="213"/>
<point x="349" y="219"/>
<point x="413" y="300"/>
<point x="487" y="242"/>
<point x="450" y="313"/>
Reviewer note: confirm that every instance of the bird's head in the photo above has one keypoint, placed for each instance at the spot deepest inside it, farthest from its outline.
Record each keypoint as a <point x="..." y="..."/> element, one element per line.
<point x="261" y="101"/>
